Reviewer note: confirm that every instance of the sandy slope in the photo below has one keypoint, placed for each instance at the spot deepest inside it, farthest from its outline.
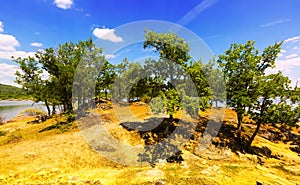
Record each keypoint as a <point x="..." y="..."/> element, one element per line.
<point x="53" y="157"/>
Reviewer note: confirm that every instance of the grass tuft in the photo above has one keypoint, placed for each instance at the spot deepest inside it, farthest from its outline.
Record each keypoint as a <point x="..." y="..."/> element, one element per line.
<point x="33" y="112"/>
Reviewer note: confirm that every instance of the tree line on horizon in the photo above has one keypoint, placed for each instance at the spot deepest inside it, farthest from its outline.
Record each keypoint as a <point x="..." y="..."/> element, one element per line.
<point x="8" y="92"/>
<point x="240" y="80"/>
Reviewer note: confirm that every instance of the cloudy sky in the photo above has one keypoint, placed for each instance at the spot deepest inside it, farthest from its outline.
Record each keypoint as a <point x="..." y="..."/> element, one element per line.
<point x="30" y="25"/>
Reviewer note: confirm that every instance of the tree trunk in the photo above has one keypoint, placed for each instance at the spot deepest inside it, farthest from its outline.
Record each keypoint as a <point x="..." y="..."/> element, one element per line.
<point x="69" y="105"/>
<point x="53" y="109"/>
<point x="79" y="101"/>
<point x="240" y="119"/>
<point x="48" y="108"/>
<point x="253" y="136"/>
<point x="105" y="94"/>
<point x="65" y="107"/>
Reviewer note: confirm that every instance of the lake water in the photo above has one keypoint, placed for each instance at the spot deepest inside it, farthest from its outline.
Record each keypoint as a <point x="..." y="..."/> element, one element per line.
<point x="10" y="109"/>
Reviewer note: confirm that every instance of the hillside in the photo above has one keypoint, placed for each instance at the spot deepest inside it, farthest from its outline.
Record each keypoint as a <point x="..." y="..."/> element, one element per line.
<point x="49" y="153"/>
<point x="10" y="92"/>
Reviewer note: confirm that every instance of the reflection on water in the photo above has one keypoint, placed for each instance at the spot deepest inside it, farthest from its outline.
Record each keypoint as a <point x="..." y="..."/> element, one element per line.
<point x="10" y="109"/>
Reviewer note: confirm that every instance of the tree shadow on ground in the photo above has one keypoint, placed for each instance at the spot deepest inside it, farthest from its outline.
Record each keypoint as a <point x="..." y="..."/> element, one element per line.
<point x="62" y="126"/>
<point x="161" y="137"/>
<point x="284" y="134"/>
<point x="228" y="137"/>
<point x="158" y="131"/>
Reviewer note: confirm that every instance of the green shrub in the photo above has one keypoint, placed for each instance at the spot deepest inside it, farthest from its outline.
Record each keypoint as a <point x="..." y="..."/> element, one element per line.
<point x="2" y="133"/>
<point x="157" y="105"/>
<point x="70" y="116"/>
<point x="33" y="112"/>
<point x="13" y="138"/>
<point x="146" y="99"/>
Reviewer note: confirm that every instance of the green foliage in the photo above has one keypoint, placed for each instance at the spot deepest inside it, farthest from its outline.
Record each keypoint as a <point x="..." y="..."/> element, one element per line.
<point x="215" y="80"/>
<point x="157" y="105"/>
<point x="251" y="92"/>
<point x="243" y="67"/>
<point x="167" y="84"/>
<point x="11" y="92"/>
<point x="60" y="64"/>
<point x="70" y="116"/>
<point x="174" y="56"/>
<point x="172" y="101"/>
<point x="169" y="46"/>
<point x="105" y="80"/>
<point x="171" y="83"/>
<point x="2" y="133"/>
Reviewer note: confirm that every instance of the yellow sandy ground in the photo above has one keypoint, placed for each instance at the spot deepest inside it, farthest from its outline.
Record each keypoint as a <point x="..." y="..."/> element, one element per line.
<point x="55" y="157"/>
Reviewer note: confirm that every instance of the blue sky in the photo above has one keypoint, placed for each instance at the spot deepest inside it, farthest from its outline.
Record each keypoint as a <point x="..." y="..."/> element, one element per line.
<point x="29" y="25"/>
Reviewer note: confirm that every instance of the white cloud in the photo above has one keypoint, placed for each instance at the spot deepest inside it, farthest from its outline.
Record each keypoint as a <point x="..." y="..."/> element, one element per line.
<point x="36" y="44"/>
<point x="289" y="59"/>
<point x="286" y="65"/>
<point x="292" y="39"/>
<point x="1" y="27"/>
<point x="63" y="4"/>
<point x="7" y="74"/>
<point x="8" y="54"/>
<point x="109" y="56"/>
<point x="107" y="34"/>
<point x="293" y="55"/>
<point x="281" y="54"/>
<point x="8" y="42"/>
<point x="296" y="48"/>
<point x="8" y="45"/>
<point x="273" y="23"/>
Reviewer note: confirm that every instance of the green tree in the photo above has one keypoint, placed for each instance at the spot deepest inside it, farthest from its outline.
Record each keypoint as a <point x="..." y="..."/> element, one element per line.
<point x="174" y="54"/>
<point x="120" y="84"/>
<point x="202" y="76"/>
<point x="31" y="80"/>
<point x="272" y="106"/>
<point x="243" y="67"/>
<point x="169" y="46"/>
<point x="106" y="78"/>
<point x="89" y="71"/>
<point x="216" y="83"/>
<point x="61" y="65"/>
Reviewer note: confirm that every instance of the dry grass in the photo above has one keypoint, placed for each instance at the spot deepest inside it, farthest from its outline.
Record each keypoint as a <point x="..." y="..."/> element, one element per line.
<point x="33" y="112"/>
<point x="55" y="157"/>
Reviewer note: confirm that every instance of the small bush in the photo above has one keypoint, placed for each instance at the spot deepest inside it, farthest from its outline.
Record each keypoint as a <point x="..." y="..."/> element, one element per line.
<point x="146" y="99"/>
<point x="157" y="105"/>
<point x="70" y="116"/>
<point x="2" y="133"/>
<point x="33" y="112"/>
<point x="13" y="138"/>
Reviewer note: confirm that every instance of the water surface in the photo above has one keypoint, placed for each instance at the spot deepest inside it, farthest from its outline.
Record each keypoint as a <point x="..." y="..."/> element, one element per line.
<point x="10" y="109"/>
